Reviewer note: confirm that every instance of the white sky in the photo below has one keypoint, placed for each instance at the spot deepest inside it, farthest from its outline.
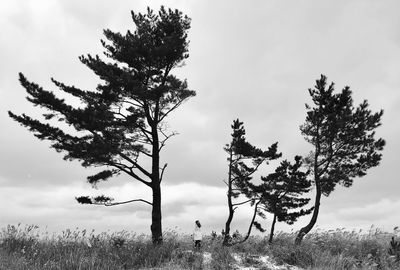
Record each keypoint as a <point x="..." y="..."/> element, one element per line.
<point x="253" y="62"/>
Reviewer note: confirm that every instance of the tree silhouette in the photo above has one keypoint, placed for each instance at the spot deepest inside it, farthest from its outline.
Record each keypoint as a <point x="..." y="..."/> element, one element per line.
<point x="281" y="193"/>
<point x="343" y="140"/>
<point x="244" y="159"/>
<point x="122" y="119"/>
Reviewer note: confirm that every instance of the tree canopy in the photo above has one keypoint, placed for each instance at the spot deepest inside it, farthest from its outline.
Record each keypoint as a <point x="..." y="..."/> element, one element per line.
<point x="244" y="159"/>
<point x="281" y="193"/>
<point x="343" y="140"/>
<point x="122" y="119"/>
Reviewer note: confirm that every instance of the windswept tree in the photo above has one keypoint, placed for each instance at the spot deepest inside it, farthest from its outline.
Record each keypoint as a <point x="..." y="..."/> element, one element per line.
<point x="282" y="193"/>
<point x="244" y="159"/>
<point x="119" y="125"/>
<point x="343" y="141"/>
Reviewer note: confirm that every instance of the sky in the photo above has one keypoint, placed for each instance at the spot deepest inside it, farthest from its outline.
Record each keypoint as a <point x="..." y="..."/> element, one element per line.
<point x="248" y="60"/>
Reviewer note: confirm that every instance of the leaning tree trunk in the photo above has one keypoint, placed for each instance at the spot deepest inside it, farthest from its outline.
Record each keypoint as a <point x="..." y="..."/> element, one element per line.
<point x="250" y="227"/>
<point x="303" y="231"/>
<point x="230" y="205"/>
<point x="271" y="234"/>
<point x="228" y="222"/>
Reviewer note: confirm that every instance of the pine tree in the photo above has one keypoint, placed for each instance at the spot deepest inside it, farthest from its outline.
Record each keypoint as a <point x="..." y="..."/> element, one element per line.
<point x="281" y="193"/>
<point x="244" y="159"/>
<point x="122" y="119"/>
<point x="343" y="141"/>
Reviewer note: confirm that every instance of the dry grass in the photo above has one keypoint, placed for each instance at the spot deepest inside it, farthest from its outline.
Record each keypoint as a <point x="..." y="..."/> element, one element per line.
<point x="338" y="249"/>
<point x="24" y="247"/>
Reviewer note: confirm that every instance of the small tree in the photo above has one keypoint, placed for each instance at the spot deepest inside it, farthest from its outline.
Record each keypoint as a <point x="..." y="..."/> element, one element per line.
<point x="343" y="140"/>
<point x="122" y="119"/>
<point x="281" y="193"/>
<point x="244" y="159"/>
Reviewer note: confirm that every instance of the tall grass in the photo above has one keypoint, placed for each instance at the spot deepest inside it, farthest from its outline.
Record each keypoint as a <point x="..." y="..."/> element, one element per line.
<point x="81" y="250"/>
<point x="25" y="247"/>
<point x="338" y="249"/>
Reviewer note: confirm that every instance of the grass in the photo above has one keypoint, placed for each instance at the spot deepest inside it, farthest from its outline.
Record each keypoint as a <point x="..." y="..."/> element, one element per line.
<point x="25" y="247"/>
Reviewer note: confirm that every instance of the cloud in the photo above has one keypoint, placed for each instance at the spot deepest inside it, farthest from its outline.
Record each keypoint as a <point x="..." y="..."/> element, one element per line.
<point x="384" y="211"/>
<point x="56" y="208"/>
<point x="253" y="62"/>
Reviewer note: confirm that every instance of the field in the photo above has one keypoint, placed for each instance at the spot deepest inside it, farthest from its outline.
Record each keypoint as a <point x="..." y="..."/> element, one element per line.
<point x="26" y="247"/>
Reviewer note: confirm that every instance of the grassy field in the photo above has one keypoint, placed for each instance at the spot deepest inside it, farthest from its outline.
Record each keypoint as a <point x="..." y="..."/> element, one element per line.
<point x="25" y="247"/>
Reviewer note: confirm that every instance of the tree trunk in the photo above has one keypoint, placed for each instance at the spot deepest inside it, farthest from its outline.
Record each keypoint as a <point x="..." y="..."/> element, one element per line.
<point x="250" y="227"/>
<point x="271" y="234"/>
<point x="230" y="206"/>
<point x="303" y="231"/>
<point x="156" y="226"/>
<point x="230" y="217"/>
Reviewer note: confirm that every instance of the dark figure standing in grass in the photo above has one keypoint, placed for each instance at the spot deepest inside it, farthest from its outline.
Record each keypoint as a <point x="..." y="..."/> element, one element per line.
<point x="197" y="235"/>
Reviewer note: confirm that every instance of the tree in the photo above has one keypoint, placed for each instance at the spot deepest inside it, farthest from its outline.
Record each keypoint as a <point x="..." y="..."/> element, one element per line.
<point x="343" y="141"/>
<point x="244" y="159"/>
<point x="281" y="193"/>
<point x="120" y="124"/>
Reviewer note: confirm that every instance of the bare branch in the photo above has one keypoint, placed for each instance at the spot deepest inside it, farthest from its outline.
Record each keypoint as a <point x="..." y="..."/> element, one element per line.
<point x="124" y="202"/>
<point x="120" y="114"/>
<point x="140" y="105"/>
<point x="236" y="204"/>
<point x="163" y="142"/>
<point x="145" y="153"/>
<point x="162" y="171"/>
<point x="170" y="110"/>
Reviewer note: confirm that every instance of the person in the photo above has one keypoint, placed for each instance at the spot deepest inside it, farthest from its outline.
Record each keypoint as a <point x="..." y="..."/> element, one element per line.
<point x="197" y="235"/>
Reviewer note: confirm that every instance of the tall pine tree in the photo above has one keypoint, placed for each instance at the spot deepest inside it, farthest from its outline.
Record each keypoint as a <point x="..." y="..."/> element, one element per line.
<point x="343" y="141"/>
<point x="120" y="123"/>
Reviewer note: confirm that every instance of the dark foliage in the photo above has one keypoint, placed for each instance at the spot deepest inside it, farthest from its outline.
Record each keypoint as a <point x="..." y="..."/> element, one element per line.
<point x="244" y="159"/>
<point x="343" y="141"/>
<point x="122" y="118"/>
<point x="281" y="193"/>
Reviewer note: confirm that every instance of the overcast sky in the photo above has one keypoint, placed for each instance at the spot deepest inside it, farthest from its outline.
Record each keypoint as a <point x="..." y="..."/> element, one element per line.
<point x="252" y="61"/>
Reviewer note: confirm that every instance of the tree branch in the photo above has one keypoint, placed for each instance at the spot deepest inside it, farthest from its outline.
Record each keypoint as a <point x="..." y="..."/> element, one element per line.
<point x="255" y="168"/>
<point x="236" y="204"/>
<point x="162" y="143"/>
<point x="130" y="172"/>
<point x="162" y="171"/>
<point x="135" y="164"/>
<point x="146" y="134"/>
<point x="145" y="153"/>
<point x="124" y="202"/>
<point x="250" y="226"/>
<point x="140" y="105"/>
<point x="170" y="110"/>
